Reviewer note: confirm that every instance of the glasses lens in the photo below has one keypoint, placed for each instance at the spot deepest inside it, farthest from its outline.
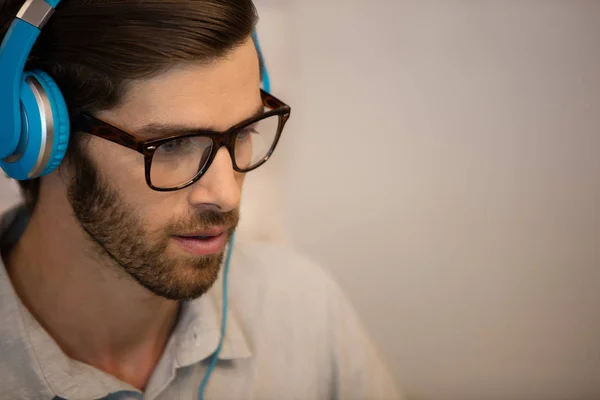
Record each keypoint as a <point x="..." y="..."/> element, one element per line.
<point x="255" y="142"/>
<point x="177" y="161"/>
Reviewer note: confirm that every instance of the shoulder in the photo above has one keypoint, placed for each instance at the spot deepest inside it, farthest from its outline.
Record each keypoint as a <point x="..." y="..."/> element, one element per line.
<point x="277" y="283"/>
<point x="278" y="263"/>
<point x="20" y="374"/>
<point x="292" y="307"/>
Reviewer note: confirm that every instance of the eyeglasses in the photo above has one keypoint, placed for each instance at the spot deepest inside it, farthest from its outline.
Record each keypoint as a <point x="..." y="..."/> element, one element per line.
<point x="176" y="162"/>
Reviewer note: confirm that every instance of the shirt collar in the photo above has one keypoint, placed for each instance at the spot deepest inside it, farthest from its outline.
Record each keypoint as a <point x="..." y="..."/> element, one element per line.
<point x="199" y="330"/>
<point x="195" y="337"/>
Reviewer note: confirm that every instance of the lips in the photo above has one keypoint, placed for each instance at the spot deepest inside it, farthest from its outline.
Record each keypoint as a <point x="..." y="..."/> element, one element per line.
<point x="203" y="243"/>
<point x="215" y="231"/>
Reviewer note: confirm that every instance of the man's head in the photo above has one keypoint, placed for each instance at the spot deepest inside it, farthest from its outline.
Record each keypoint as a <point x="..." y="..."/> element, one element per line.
<point x="134" y="64"/>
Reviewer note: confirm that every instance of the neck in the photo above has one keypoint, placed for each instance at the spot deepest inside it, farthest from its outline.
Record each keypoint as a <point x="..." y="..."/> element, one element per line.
<point x="94" y="311"/>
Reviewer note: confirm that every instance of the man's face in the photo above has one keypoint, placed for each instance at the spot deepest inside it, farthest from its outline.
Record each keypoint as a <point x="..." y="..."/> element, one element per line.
<point x="142" y="230"/>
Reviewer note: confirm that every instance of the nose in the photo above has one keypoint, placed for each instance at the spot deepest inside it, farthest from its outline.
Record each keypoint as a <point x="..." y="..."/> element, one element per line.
<point x="220" y="187"/>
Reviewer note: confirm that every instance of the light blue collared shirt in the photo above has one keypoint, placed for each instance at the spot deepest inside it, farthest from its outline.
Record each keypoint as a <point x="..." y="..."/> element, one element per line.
<point x="291" y="334"/>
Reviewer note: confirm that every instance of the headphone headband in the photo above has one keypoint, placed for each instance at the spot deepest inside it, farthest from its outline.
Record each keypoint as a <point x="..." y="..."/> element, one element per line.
<point x="14" y="50"/>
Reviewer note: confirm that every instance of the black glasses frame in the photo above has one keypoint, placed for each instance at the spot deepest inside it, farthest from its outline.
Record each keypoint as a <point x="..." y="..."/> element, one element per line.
<point x="93" y="126"/>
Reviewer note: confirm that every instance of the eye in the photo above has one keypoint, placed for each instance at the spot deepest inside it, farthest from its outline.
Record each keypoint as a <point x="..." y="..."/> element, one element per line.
<point x="246" y="133"/>
<point x="177" y="147"/>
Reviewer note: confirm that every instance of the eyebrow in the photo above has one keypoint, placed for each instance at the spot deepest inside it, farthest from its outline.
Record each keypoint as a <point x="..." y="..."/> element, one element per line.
<point x="160" y="129"/>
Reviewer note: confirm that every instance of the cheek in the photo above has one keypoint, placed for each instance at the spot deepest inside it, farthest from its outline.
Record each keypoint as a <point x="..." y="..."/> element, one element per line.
<point x="122" y="168"/>
<point x="124" y="171"/>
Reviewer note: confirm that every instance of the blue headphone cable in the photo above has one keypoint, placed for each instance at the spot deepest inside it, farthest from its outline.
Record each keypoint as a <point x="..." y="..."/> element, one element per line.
<point x="266" y="82"/>
<point x="215" y="356"/>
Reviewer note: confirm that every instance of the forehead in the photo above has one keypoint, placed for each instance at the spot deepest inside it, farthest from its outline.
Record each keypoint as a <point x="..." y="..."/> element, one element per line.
<point x="219" y="94"/>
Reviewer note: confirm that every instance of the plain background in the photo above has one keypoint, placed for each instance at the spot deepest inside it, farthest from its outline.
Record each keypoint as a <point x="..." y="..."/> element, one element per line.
<point x="442" y="160"/>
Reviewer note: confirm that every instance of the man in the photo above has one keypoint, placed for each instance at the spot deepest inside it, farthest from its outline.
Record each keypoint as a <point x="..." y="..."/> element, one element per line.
<point x="110" y="283"/>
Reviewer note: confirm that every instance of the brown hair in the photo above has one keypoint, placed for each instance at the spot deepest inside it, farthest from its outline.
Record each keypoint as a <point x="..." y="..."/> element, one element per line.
<point x="93" y="49"/>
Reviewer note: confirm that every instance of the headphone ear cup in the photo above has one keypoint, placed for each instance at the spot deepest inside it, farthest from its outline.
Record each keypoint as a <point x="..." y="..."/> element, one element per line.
<point x="60" y="117"/>
<point x="45" y="128"/>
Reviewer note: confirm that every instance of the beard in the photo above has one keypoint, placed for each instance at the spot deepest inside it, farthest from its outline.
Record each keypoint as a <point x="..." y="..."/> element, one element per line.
<point x="117" y="234"/>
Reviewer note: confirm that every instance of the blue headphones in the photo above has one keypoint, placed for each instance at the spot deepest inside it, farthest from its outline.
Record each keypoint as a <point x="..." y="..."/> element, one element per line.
<point x="34" y="132"/>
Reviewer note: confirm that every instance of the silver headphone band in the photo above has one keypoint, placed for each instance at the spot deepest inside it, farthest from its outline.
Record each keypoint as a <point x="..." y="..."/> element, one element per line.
<point x="45" y="108"/>
<point x="35" y="12"/>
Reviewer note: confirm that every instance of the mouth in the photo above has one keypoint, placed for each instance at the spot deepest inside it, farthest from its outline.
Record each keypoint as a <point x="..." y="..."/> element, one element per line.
<point x="203" y="243"/>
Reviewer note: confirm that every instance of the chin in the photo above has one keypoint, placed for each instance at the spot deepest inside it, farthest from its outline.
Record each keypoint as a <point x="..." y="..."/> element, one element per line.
<point x="182" y="280"/>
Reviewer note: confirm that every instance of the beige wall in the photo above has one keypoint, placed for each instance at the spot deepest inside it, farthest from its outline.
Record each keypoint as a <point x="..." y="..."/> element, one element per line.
<point x="454" y="191"/>
<point x="456" y="187"/>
